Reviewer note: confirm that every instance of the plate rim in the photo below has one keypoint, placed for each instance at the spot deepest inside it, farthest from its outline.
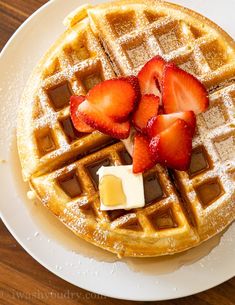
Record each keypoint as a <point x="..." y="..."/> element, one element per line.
<point x="34" y="255"/>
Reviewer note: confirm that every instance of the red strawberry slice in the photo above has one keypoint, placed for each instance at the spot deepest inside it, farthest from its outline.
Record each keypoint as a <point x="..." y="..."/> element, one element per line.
<point x="181" y="91"/>
<point x="150" y="76"/>
<point x="78" y="123"/>
<point x="173" y="146"/>
<point x="163" y="121"/>
<point x="160" y="110"/>
<point x="97" y="119"/>
<point x="147" y="108"/>
<point x="142" y="158"/>
<point x="116" y="98"/>
<point x="133" y="80"/>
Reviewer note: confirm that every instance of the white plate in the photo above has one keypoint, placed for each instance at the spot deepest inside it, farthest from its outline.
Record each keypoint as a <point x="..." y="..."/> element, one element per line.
<point x="48" y="241"/>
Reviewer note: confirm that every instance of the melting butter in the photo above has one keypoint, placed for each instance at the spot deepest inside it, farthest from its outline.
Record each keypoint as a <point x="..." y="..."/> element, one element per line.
<point x="111" y="191"/>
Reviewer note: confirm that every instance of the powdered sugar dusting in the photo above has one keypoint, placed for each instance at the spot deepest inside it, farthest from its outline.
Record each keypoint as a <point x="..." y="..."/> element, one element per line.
<point x="72" y="64"/>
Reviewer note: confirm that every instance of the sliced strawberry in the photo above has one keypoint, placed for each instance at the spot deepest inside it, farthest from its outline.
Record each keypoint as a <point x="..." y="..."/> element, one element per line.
<point x="181" y="91"/>
<point x="150" y="76"/>
<point x="163" y="121"/>
<point x="115" y="97"/>
<point x="142" y="158"/>
<point x="78" y="123"/>
<point x="96" y="118"/>
<point x="173" y="146"/>
<point x="146" y="109"/>
<point x="160" y="110"/>
<point x="133" y="80"/>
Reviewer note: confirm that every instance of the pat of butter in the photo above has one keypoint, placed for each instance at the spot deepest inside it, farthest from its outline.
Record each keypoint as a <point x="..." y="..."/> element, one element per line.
<point x="120" y="188"/>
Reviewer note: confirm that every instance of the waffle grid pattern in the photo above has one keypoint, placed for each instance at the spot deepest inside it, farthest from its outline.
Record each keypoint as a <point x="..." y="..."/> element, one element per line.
<point x="137" y="34"/>
<point x="77" y="68"/>
<point x="209" y="188"/>
<point x="76" y="186"/>
<point x="64" y="174"/>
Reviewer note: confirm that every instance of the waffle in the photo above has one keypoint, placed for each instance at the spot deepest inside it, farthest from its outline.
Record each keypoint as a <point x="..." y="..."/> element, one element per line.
<point x="134" y="31"/>
<point x="74" y="64"/>
<point x="182" y="208"/>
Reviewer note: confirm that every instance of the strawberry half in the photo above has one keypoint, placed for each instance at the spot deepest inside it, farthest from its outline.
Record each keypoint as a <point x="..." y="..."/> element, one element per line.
<point x="142" y="158"/>
<point x="150" y="76"/>
<point x="173" y="146"/>
<point x="133" y="80"/>
<point x="160" y="110"/>
<point x="181" y="91"/>
<point x="163" y="121"/>
<point x="147" y="108"/>
<point x="116" y="98"/>
<point x="78" y="123"/>
<point x="97" y="119"/>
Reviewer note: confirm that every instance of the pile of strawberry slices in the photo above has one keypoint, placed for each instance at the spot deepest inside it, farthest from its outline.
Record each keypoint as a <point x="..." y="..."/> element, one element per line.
<point x="161" y="104"/>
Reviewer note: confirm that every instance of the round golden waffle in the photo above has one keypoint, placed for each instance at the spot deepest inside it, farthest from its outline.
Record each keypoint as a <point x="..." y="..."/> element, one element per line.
<point x="182" y="208"/>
